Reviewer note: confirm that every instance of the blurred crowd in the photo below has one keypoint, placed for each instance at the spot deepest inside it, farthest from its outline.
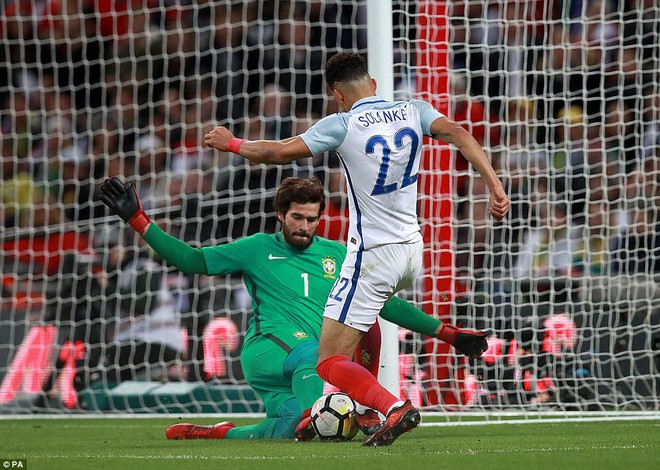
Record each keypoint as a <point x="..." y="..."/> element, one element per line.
<point x="566" y="98"/>
<point x="564" y="95"/>
<point x="95" y="89"/>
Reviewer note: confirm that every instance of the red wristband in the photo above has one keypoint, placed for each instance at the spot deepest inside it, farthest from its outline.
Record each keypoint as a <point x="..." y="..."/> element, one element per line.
<point x="234" y="145"/>
<point x="448" y="333"/>
<point x="140" y="221"/>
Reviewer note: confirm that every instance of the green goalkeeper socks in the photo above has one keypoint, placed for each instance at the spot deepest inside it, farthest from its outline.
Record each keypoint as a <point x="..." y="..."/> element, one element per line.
<point x="282" y="427"/>
<point x="261" y="430"/>
<point x="300" y="366"/>
<point x="407" y="316"/>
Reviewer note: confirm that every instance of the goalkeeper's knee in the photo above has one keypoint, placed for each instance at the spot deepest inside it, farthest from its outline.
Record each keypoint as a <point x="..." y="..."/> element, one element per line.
<point x="305" y="354"/>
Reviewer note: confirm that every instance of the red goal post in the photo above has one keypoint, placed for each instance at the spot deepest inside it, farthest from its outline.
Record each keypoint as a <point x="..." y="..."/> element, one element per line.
<point x="436" y="188"/>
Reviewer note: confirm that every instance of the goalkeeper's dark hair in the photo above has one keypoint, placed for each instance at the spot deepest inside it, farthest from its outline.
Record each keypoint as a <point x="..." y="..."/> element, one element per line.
<point x="345" y="67"/>
<point x="301" y="191"/>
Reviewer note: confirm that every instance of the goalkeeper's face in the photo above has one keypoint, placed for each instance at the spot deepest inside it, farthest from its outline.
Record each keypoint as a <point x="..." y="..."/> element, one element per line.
<point x="299" y="223"/>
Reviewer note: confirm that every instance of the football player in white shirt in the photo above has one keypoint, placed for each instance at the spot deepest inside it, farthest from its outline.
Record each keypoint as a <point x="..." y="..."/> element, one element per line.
<point x="379" y="143"/>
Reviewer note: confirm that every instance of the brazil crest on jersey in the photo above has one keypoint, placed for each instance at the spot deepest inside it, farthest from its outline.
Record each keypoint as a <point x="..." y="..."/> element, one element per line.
<point x="289" y="287"/>
<point x="379" y="143"/>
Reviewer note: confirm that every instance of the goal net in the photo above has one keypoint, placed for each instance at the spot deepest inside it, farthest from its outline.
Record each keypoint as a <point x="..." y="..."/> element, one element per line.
<point x="562" y="95"/>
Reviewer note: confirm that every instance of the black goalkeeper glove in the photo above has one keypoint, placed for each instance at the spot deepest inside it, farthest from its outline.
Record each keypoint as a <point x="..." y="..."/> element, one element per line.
<point x="471" y="343"/>
<point x="123" y="200"/>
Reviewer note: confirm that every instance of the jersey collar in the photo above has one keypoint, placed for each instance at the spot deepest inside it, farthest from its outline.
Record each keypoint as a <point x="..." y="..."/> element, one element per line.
<point x="367" y="100"/>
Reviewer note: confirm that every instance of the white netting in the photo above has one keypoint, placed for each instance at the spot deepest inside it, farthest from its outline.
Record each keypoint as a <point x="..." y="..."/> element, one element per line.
<point x="94" y="89"/>
<point x="563" y="95"/>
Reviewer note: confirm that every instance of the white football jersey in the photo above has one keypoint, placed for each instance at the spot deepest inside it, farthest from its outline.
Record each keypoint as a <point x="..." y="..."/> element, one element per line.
<point x="379" y="143"/>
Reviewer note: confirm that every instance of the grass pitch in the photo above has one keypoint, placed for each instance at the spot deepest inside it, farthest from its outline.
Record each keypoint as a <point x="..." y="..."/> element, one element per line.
<point x="139" y="443"/>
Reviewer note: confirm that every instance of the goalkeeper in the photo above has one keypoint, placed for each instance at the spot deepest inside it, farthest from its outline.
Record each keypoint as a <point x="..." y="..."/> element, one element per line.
<point x="289" y="276"/>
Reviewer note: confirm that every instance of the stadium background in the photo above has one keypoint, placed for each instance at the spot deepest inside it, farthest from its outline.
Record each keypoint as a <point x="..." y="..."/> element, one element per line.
<point x="563" y="95"/>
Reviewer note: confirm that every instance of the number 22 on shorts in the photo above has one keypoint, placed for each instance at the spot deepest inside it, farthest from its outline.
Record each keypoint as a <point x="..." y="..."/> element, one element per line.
<point x="338" y="289"/>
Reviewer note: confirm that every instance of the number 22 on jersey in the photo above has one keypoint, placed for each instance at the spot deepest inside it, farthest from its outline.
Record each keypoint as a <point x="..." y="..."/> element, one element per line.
<point x="380" y="187"/>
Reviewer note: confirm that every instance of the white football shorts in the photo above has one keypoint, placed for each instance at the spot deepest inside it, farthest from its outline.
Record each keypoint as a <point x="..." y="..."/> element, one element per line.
<point x="370" y="278"/>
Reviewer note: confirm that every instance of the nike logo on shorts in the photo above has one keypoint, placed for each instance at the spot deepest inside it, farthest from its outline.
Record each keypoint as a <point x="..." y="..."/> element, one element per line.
<point x="271" y="256"/>
<point x="308" y="376"/>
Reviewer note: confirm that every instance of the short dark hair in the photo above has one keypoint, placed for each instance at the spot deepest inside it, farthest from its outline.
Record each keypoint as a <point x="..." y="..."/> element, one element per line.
<point x="301" y="191"/>
<point x="345" y="67"/>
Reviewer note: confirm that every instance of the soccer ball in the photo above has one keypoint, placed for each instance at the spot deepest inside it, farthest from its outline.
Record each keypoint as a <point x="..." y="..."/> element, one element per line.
<point x="333" y="417"/>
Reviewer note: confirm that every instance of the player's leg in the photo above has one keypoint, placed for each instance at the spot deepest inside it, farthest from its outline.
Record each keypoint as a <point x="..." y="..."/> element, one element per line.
<point x="402" y="416"/>
<point x="270" y="368"/>
<point x="351" y="314"/>
<point x="297" y="373"/>
<point x="278" y="425"/>
<point x="405" y="315"/>
<point x="365" y="389"/>
<point x="338" y="341"/>
<point x="304" y="379"/>
<point x="367" y="280"/>
<point x="367" y="352"/>
<point x="469" y="342"/>
<point x="300" y="369"/>
<point x="351" y="310"/>
<point x="282" y="415"/>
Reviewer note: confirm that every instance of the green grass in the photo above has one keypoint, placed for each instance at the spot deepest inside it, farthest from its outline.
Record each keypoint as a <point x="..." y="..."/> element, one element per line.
<point x="141" y="444"/>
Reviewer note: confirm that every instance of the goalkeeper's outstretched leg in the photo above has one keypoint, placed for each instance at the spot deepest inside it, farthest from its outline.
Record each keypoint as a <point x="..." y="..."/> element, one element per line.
<point x="280" y="427"/>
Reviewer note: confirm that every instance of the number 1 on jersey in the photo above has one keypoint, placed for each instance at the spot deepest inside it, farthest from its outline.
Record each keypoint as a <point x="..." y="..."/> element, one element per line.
<point x="305" y="278"/>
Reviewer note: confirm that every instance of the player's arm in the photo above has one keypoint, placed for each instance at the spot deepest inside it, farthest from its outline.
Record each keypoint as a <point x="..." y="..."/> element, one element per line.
<point x="402" y="313"/>
<point x="449" y="131"/>
<point x="275" y="152"/>
<point x="123" y="200"/>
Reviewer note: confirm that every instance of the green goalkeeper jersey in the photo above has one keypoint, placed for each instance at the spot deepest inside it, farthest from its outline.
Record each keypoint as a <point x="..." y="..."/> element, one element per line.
<point x="289" y="287"/>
